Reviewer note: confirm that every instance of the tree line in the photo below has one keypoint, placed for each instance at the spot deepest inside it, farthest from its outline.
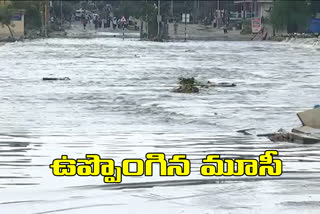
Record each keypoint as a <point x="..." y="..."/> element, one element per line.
<point x="294" y="16"/>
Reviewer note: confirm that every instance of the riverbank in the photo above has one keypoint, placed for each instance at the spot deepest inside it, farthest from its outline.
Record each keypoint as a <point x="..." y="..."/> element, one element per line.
<point x="313" y="42"/>
<point x="297" y="36"/>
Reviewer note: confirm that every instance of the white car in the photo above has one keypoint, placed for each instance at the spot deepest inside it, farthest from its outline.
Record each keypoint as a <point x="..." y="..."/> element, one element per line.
<point x="95" y="16"/>
<point x="79" y="14"/>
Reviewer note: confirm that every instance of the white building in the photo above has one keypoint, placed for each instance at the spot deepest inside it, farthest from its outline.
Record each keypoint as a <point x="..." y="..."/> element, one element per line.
<point x="254" y="8"/>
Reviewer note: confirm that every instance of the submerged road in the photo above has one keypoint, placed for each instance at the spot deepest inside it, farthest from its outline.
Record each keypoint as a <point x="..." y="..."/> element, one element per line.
<point x="118" y="103"/>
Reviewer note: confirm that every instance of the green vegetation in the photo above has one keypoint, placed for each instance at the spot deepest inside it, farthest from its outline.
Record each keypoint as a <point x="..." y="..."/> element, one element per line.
<point x="68" y="8"/>
<point x="145" y="10"/>
<point x="129" y="8"/>
<point x="149" y="14"/>
<point x="32" y="14"/>
<point x="5" y="18"/>
<point x="315" y="7"/>
<point x="187" y="85"/>
<point x="187" y="81"/>
<point x="293" y="15"/>
<point x="246" y="27"/>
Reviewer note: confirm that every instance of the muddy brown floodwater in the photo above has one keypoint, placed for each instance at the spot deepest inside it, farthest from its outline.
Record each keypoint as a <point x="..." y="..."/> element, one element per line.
<point x="119" y="104"/>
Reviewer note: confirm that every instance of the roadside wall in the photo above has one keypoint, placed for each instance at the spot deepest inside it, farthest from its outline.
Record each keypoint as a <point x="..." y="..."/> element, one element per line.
<point x="17" y="27"/>
<point x="201" y="32"/>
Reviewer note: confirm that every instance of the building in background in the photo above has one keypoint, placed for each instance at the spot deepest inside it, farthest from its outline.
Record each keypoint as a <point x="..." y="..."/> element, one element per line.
<point x="254" y="8"/>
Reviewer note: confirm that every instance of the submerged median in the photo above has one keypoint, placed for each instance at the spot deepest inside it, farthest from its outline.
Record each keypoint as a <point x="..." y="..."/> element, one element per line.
<point x="310" y="39"/>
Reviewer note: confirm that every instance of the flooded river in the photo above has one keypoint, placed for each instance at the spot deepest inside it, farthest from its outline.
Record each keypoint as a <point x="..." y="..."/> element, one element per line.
<point x="119" y="104"/>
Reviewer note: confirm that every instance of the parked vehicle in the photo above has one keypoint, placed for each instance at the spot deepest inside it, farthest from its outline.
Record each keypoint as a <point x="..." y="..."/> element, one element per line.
<point x="79" y="13"/>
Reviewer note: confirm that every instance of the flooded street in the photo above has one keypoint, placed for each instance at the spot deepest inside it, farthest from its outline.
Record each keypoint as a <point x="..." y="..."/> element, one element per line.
<point x="119" y="104"/>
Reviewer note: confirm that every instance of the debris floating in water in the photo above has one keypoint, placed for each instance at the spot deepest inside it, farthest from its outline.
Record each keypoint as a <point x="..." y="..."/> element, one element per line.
<point x="246" y="131"/>
<point x="308" y="133"/>
<point x="190" y="85"/>
<point x="212" y="84"/>
<point x="187" y="85"/>
<point x="55" y="78"/>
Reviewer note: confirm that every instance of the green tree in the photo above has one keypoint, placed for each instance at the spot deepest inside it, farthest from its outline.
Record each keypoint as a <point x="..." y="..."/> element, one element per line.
<point x="150" y="16"/>
<point x="130" y="8"/>
<point x="315" y="5"/>
<point x="294" y="15"/>
<point x="5" y="18"/>
<point x="68" y="7"/>
<point x="32" y="14"/>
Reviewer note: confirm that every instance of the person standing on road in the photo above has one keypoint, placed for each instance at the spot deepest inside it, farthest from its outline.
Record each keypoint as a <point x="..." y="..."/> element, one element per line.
<point x="96" y="22"/>
<point x="114" y="22"/>
<point x="84" y="21"/>
<point x="100" y="23"/>
<point x="215" y="22"/>
<point x="104" y="23"/>
<point x="89" y="18"/>
<point x="175" y="27"/>
<point x="119" y="23"/>
<point x="108" y="22"/>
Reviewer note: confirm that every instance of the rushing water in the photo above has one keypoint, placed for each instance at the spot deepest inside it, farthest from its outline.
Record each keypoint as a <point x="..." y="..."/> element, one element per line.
<point x="119" y="104"/>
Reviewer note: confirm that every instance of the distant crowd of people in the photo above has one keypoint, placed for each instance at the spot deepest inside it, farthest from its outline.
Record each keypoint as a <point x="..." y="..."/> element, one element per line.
<point x="223" y="17"/>
<point x="109" y="22"/>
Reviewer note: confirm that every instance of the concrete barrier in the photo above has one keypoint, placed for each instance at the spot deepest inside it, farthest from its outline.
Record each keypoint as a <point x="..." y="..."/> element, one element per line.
<point x="310" y="118"/>
<point x="17" y="27"/>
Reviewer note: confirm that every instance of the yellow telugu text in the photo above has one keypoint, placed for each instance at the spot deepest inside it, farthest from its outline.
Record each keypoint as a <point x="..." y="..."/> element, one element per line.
<point x="178" y="165"/>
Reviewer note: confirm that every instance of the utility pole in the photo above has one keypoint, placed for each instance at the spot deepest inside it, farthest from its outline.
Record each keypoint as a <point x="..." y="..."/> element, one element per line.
<point x="171" y="8"/>
<point x="252" y="9"/>
<point x="147" y="21"/>
<point x="46" y="17"/>
<point x="244" y="9"/>
<point x="185" y="22"/>
<point x="123" y="32"/>
<point x="218" y="14"/>
<point x="198" y="11"/>
<point x="123" y="21"/>
<point x="194" y="8"/>
<point x="41" y="6"/>
<point x="158" y="19"/>
<point x="61" y="14"/>
<point x="185" y="28"/>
